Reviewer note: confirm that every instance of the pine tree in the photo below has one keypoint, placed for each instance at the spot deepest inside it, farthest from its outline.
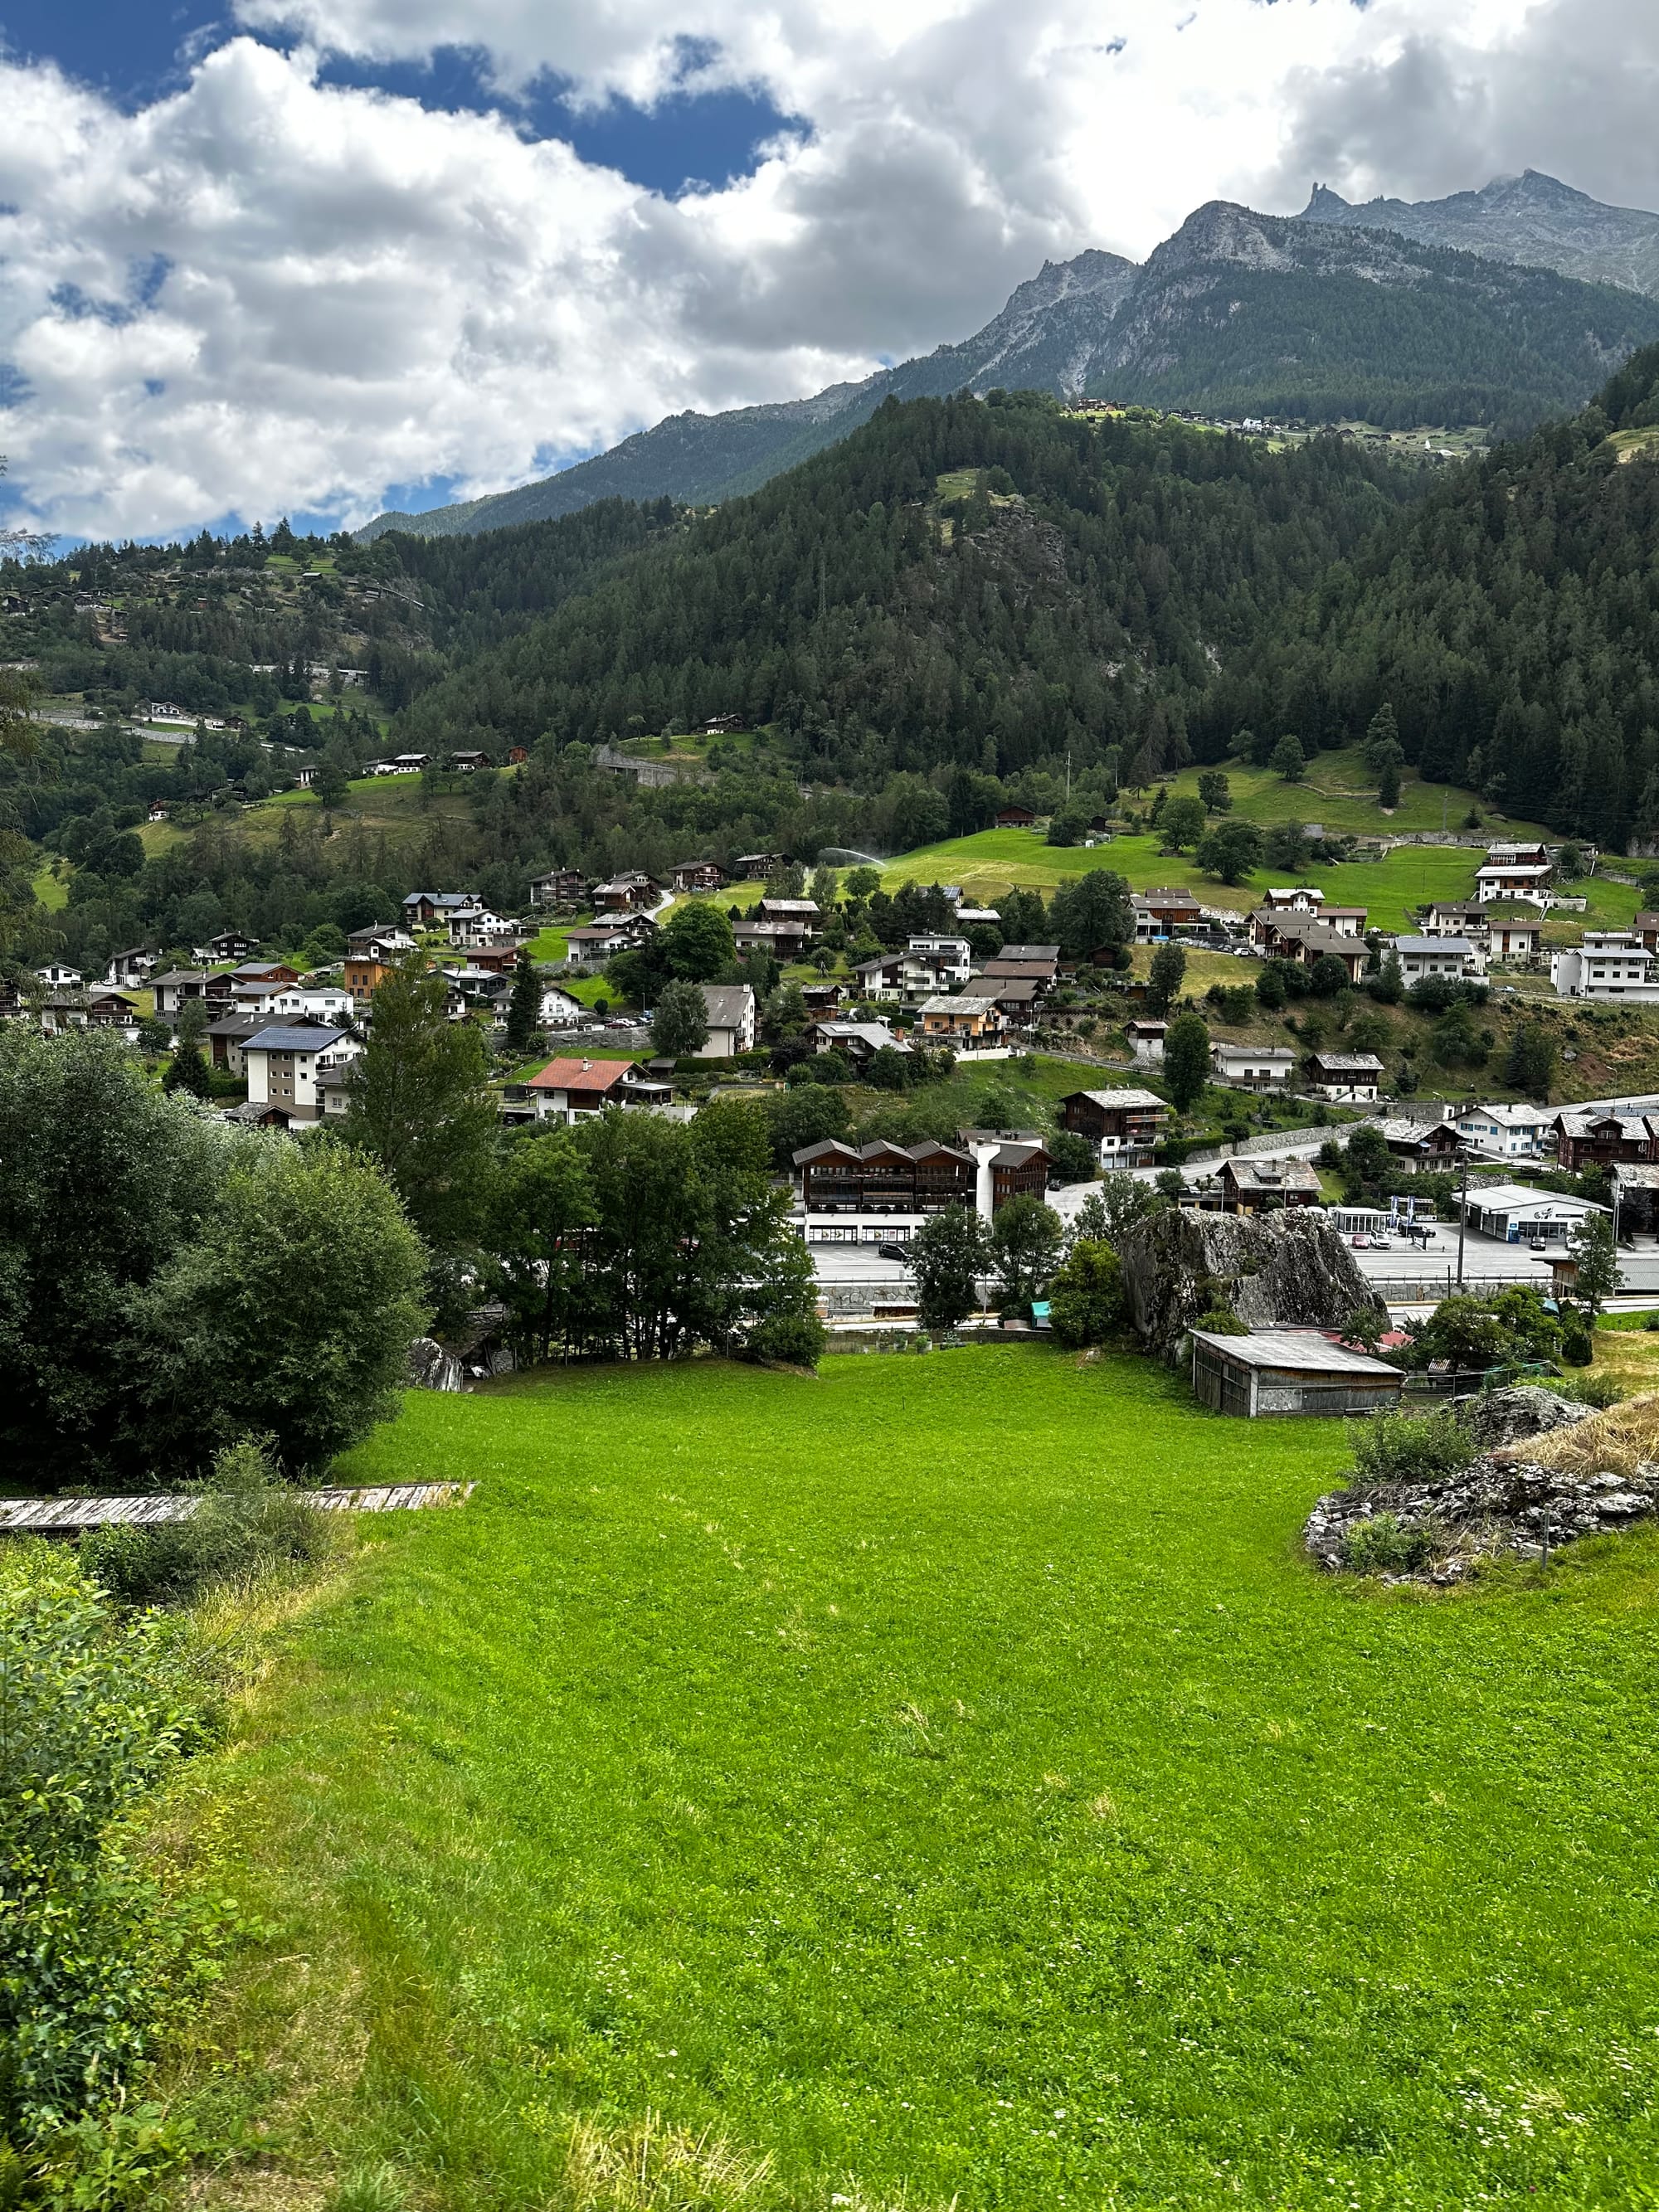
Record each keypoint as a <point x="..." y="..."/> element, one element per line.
<point x="524" y="1012"/>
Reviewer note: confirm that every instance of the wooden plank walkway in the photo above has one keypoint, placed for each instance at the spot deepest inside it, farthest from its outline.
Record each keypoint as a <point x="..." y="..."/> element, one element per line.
<point x="68" y="1516"/>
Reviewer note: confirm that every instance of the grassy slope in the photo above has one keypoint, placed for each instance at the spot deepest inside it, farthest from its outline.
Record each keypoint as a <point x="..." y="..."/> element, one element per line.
<point x="946" y="1776"/>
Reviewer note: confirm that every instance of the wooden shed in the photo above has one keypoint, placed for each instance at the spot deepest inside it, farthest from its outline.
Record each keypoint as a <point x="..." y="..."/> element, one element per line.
<point x="1286" y="1370"/>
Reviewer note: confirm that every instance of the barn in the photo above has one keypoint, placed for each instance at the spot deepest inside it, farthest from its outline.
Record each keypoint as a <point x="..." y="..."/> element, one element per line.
<point x="1288" y="1371"/>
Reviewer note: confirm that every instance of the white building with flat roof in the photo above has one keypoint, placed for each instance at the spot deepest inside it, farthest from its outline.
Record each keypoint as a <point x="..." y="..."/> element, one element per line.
<point x="1610" y="964"/>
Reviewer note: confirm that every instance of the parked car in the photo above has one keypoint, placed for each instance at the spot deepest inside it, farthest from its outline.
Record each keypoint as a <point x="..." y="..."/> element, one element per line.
<point x="893" y="1252"/>
<point x="1378" y="1243"/>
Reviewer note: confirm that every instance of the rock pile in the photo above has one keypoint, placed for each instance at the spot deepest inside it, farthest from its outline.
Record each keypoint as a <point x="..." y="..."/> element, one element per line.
<point x="1502" y="1502"/>
<point x="1272" y="1269"/>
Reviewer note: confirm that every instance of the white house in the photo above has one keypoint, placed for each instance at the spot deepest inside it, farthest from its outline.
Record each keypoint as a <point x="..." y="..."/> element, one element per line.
<point x="558" y="1009"/>
<point x="1610" y="964"/>
<point x="1513" y="879"/>
<point x="128" y="969"/>
<point x="1145" y="1039"/>
<point x="1508" y="1133"/>
<point x="318" y="1002"/>
<point x="284" y="1061"/>
<point x="731" y="1012"/>
<point x="938" y="961"/>
<point x="57" y="977"/>
<point x="1253" y="1066"/>
<point x="1293" y="898"/>
<point x="1456" y="957"/>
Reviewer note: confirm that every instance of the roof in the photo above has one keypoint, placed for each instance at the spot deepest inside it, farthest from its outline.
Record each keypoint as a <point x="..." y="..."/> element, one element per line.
<point x="832" y="1148"/>
<point x="315" y="1037"/>
<point x="1029" y="953"/>
<point x="235" y="1025"/>
<point x="964" y="1005"/>
<point x="1437" y="946"/>
<point x="1281" y="1173"/>
<point x="1022" y="988"/>
<point x="1402" y="1131"/>
<point x="1348" y="1063"/>
<point x="1514" y="868"/>
<point x="1275" y="1052"/>
<point x="728" y="1005"/>
<point x="876" y="1034"/>
<point x="1511" y="1116"/>
<point x="597" y="1076"/>
<point x="1114" y="1099"/>
<point x="789" y="906"/>
<point x="1002" y="970"/>
<point x="1019" y="1156"/>
<point x="178" y="976"/>
<point x="1631" y="1176"/>
<point x="1632" y="1127"/>
<point x="1520" y="1198"/>
<point x="1287" y="1347"/>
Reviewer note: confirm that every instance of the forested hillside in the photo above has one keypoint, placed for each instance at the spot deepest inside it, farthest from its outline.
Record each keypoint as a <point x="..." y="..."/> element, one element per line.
<point x="988" y="586"/>
<point x="1511" y="620"/>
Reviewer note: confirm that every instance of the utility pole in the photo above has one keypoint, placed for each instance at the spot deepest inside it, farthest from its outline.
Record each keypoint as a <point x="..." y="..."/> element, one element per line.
<point x="1462" y="1216"/>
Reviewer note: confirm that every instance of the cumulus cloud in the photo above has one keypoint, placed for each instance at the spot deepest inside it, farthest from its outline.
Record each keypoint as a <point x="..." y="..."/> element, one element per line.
<point x="268" y="292"/>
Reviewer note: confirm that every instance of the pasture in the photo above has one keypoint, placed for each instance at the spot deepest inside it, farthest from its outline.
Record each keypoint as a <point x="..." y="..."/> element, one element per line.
<point x="940" y="1781"/>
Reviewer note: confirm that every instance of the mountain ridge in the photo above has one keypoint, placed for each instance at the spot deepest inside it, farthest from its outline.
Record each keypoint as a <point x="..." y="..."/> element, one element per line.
<point x="1236" y="311"/>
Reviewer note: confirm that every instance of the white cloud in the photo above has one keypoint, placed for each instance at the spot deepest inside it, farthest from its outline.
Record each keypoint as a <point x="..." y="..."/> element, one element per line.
<point x="266" y="292"/>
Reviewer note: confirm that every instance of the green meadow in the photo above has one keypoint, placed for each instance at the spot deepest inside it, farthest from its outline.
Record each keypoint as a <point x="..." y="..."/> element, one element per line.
<point x="940" y="1782"/>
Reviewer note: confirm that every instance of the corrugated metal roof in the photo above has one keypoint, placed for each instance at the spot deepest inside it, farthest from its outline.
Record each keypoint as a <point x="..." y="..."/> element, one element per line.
<point x="1287" y="1347"/>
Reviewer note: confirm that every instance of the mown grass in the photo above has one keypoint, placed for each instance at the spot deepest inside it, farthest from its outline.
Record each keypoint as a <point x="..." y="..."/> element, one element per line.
<point x="945" y="1779"/>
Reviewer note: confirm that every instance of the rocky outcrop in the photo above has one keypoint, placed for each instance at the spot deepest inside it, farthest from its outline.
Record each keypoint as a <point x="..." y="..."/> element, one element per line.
<point x="431" y="1368"/>
<point x="1272" y="1269"/>
<point x="1511" y="1416"/>
<point x="1495" y="1505"/>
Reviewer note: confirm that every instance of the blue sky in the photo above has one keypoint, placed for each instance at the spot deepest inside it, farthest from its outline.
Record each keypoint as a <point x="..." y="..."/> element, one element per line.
<point x="136" y="52"/>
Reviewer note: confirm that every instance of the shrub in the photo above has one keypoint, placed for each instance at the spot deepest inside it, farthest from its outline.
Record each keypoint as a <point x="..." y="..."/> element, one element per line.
<point x="1408" y="1447"/>
<point x="97" y="1710"/>
<point x="1386" y="1545"/>
<point x="248" y="1522"/>
<point x="1222" y="1320"/>
<point x="1576" y="1349"/>
<point x="1085" y="1299"/>
<point x="1598" y="1390"/>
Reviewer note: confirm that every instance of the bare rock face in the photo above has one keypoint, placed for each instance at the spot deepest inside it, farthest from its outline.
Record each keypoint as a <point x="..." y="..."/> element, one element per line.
<point x="431" y="1368"/>
<point x="1273" y="1269"/>
<point x="1509" y="1417"/>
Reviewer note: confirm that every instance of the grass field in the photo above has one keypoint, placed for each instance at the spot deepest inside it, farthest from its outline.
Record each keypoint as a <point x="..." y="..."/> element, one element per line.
<point x="945" y="1779"/>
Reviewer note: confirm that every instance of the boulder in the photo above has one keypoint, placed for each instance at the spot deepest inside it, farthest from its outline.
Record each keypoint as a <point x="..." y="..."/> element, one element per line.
<point x="1509" y="1417"/>
<point x="1272" y="1269"/>
<point x="431" y="1368"/>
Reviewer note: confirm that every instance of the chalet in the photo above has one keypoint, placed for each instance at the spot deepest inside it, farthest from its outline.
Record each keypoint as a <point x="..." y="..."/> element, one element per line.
<point x="792" y="914"/>
<point x="1267" y="1185"/>
<point x="500" y="958"/>
<point x="696" y="876"/>
<point x="1354" y="1077"/>
<point x="421" y="909"/>
<point x="128" y="970"/>
<point x="381" y="940"/>
<point x="558" y="887"/>
<point x="1455" y="918"/>
<point x="1017" y="998"/>
<point x="409" y="763"/>
<point x="1645" y="926"/>
<point x="1164" y="913"/>
<point x="176" y="987"/>
<point x="228" y="944"/>
<point x="593" y="943"/>
<point x="1252" y="1067"/>
<point x="1346" y="920"/>
<point x="470" y="926"/>
<point x="1122" y="1125"/>
<point x="57" y="977"/>
<point x="857" y="1042"/>
<point x="1508" y="1133"/>
<point x="1431" y="1144"/>
<point x="783" y="940"/>
<point x="1587" y="1137"/>
<point x="363" y="975"/>
<point x="1293" y="898"/>
<point x="882" y="1192"/>
<point x="284" y="1061"/>
<point x="632" y="892"/>
<point x="158" y="810"/>
<point x="1016" y="818"/>
<point x="967" y="916"/>
<point x="1455" y="958"/>
<point x="1145" y="1041"/>
<point x="1039" y="961"/>
<point x="880" y="978"/>
<point x="1514" y="932"/>
<point x="820" y="998"/>
<point x="263" y="971"/>
<point x="1514" y="871"/>
<point x="468" y="762"/>
<point x="556" y="1009"/>
<point x="756" y="867"/>
<point x="968" y="1024"/>
<point x="721" y="726"/>
<point x="226" y="1038"/>
<point x="571" y="1090"/>
<point x="1289" y="1372"/>
<point x="1610" y="964"/>
<point x="730" y="1008"/>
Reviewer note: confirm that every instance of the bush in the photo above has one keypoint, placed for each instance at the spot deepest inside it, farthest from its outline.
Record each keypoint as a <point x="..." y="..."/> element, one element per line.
<point x="1386" y="1545"/>
<point x="247" y="1523"/>
<point x="1598" y="1390"/>
<point x="98" y="1710"/>
<point x="1222" y="1320"/>
<point x="1085" y="1299"/>
<point x="1577" y="1349"/>
<point x="1408" y="1447"/>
